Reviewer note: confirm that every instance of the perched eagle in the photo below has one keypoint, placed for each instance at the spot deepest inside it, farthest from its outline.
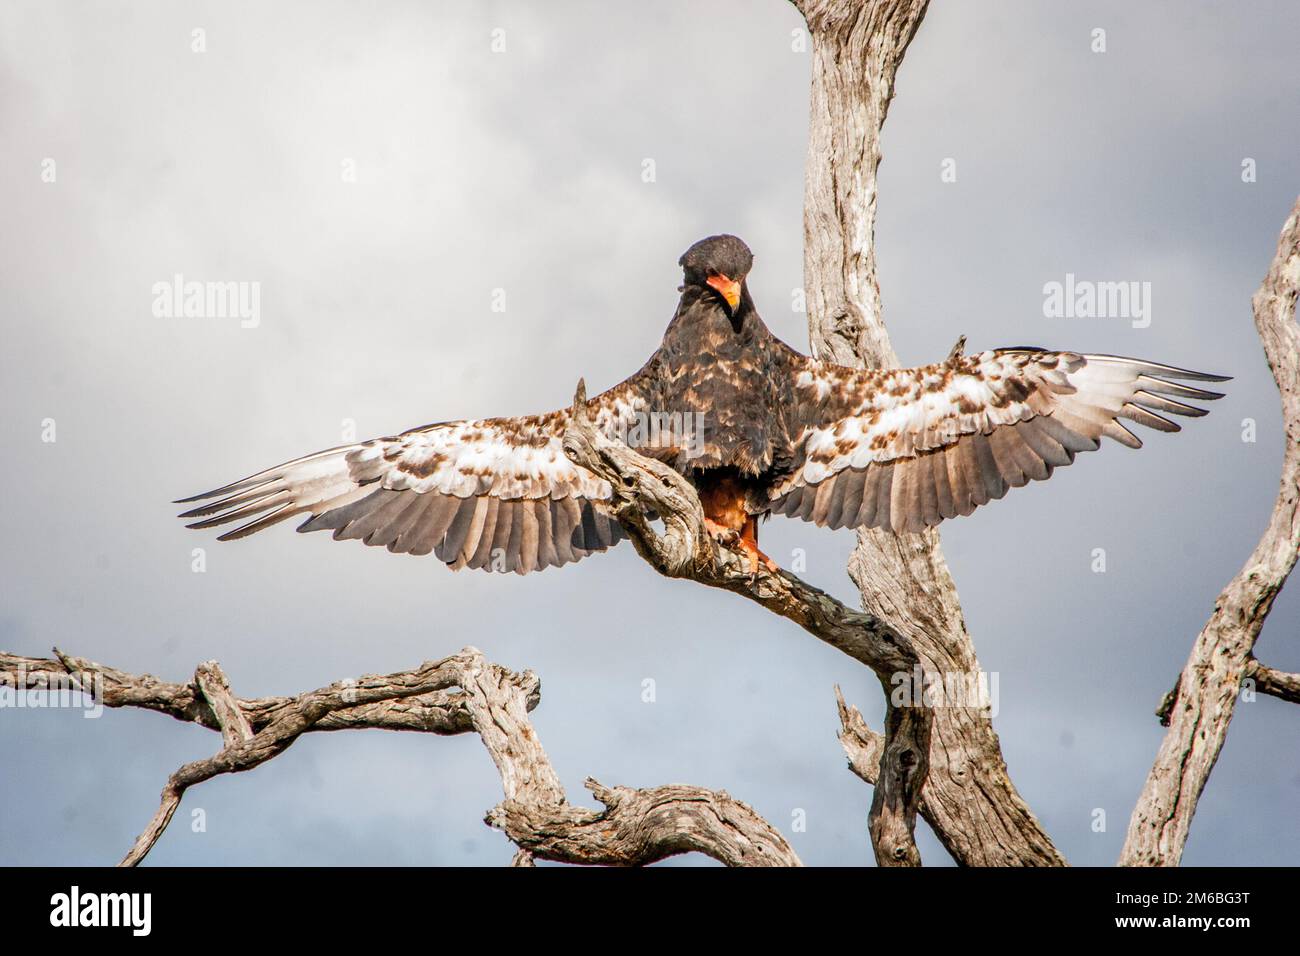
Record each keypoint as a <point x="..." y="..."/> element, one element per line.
<point x="757" y="427"/>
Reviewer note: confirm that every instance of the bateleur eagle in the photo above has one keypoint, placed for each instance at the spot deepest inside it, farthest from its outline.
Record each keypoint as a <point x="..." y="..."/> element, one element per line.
<point x="757" y="427"/>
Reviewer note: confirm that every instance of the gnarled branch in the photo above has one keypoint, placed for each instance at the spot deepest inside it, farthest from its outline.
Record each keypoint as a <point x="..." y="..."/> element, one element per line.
<point x="463" y="693"/>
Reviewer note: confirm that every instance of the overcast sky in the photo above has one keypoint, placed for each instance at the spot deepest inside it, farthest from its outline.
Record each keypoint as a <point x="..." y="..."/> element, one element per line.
<point x="379" y="171"/>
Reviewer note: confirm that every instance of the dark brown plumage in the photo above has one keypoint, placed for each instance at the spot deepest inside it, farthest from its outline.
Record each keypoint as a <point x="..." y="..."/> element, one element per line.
<point x="755" y="425"/>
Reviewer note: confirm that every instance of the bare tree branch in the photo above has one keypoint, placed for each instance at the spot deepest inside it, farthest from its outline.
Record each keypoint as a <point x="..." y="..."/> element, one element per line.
<point x="441" y="712"/>
<point x="862" y="745"/>
<point x="295" y="717"/>
<point x="1274" y="683"/>
<point x="636" y="827"/>
<point x="1258" y="677"/>
<point x="642" y="826"/>
<point x="857" y="47"/>
<point x="235" y="728"/>
<point x="460" y="694"/>
<point x="1200" y="708"/>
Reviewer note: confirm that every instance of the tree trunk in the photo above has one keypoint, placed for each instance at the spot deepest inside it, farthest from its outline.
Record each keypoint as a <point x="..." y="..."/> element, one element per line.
<point x="1202" y="704"/>
<point x="856" y="50"/>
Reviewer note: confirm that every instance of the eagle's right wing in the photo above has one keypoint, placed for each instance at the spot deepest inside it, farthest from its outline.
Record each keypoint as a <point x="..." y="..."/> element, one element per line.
<point x="497" y="494"/>
<point x="903" y="449"/>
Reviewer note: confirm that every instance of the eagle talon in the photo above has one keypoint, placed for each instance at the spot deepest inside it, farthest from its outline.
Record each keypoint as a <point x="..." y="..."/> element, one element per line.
<point x="721" y="533"/>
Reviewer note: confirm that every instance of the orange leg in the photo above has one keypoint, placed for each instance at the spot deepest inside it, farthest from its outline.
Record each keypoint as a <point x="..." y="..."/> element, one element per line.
<point x="749" y="544"/>
<point x="728" y="522"/>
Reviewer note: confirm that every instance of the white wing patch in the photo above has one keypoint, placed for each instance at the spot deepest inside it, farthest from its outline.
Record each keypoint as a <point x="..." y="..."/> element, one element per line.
<point x="506" y="458"/>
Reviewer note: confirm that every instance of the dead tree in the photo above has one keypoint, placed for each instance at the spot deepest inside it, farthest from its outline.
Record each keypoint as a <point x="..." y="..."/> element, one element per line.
<point x="857" y="47"/>
<point x="968" y="797"/>
<point x="944" y="763"/>
<point x="1197" y="711"/>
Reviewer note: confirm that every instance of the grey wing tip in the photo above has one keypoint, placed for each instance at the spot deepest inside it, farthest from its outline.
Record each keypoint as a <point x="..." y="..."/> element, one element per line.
<point x="1173" y="371"/>
<point x="199" y="497"/>
<point x="1195" y="376"/>
<point x="211" y="522"/>
<point x="215" y="492"/>
<point x="318" y="522"/>
<point x="243" y="484"/>
<point x="272" y="517"/>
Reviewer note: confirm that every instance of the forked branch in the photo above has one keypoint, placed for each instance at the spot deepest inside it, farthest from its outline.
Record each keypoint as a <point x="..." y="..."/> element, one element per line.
<point x="463" y="693"/>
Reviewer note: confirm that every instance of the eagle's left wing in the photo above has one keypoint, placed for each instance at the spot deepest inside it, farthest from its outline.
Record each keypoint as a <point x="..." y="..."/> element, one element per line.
<point x="497" y="493"/>
<point x="902" y="449"/>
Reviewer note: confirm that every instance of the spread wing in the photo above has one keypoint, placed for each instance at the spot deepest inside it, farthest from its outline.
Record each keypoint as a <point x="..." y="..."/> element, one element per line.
<point x="497" y="494"/>
<point x="903" y="449"/>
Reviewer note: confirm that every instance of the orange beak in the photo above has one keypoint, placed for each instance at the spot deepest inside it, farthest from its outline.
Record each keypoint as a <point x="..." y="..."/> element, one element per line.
<point x="727" y="287"/>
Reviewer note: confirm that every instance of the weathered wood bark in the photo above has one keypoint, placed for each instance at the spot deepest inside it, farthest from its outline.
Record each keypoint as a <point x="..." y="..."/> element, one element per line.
<point x="857" y="46"/>
<point x="1200" y="709"/>
<point x="636" y="827"/>
<point x="459" y="694"/>
<point x="865" y="749"/>
<point x="643" y="486"/>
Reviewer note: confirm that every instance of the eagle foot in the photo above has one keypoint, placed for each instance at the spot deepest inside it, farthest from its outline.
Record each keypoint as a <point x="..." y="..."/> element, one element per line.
<point x="744" y="541"/>
<point x="756" y="557"/>
<point x="720" y="532"/>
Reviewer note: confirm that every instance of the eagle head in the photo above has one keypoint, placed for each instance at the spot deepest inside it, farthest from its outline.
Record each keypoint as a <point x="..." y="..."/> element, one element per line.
<point x="719" y="263"/>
